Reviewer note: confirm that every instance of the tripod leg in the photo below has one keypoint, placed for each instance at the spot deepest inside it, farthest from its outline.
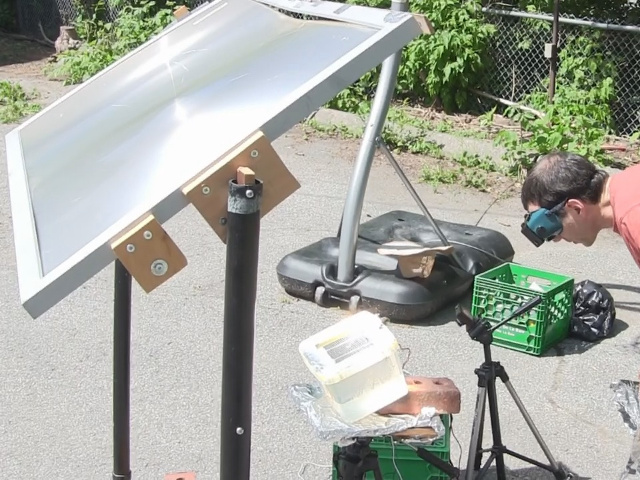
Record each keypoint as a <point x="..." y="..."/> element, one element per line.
<point x="498" y="448"/>
<point x="478" y="463"/>
<point x="476" y="432"/>
<point x="377" y="473"/>
<point x="530" y="423"/>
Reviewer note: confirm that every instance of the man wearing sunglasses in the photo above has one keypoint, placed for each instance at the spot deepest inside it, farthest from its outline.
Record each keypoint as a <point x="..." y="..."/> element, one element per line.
<point x="568" y="198"/>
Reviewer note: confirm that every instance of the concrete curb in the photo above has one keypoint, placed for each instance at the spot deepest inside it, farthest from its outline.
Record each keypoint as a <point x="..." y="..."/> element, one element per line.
<point x="451" y="144"/>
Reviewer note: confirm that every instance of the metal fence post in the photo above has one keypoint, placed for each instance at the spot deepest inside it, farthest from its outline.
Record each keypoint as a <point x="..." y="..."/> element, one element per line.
<point x="553" y="67"/>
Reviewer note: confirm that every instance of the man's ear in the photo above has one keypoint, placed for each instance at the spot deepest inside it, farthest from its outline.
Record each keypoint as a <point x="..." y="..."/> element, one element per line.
<point x="577" y="205"/>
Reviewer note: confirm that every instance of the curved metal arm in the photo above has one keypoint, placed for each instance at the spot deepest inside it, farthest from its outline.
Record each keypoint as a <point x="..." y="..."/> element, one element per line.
<point x="360" y="175"/>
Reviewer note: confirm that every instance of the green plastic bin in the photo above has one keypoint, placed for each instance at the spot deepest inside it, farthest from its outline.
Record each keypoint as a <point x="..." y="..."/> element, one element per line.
<point x="498" y="292"/>
<point x="407" y="461"/>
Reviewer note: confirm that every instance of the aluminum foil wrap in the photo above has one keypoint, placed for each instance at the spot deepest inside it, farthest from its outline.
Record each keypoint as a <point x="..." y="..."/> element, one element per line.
<point x="626" y="400"/>
<point x="328" y="425"/>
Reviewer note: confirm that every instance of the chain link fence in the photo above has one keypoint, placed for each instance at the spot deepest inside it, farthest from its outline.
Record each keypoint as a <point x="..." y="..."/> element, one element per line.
<point x="41" y="19"/>
<point x="521" y="67"/>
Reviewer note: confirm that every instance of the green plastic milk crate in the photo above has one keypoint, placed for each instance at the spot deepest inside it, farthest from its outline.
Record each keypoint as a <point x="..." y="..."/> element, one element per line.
<point x="498" y="292"/>
<point x="407" y="461"/>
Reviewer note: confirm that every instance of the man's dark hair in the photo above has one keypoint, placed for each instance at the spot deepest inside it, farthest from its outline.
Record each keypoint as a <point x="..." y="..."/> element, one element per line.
<point x="559" y="176"/>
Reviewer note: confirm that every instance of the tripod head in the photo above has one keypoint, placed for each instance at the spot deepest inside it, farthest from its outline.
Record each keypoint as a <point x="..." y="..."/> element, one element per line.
<point x="481" y="330"/>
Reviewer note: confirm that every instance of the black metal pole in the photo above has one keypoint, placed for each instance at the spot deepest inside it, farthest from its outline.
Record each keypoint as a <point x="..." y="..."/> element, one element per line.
<point x="243" y="234"/>
<point x="121" y="372"/>
<point x="553" y="68"/>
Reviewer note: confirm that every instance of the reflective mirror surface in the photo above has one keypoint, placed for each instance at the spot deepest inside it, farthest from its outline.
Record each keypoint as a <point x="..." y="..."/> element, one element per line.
<point x="126" y="141"/>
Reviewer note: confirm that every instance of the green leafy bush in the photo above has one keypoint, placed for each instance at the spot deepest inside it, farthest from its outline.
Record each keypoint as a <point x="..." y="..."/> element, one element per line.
<point x="105" y="41"/>
<point x="434" y="68"/>
<point x="15" y="103"/>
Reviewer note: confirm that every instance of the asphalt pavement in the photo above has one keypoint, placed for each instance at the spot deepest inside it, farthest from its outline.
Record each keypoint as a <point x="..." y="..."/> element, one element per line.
<point x="56" y="371"/>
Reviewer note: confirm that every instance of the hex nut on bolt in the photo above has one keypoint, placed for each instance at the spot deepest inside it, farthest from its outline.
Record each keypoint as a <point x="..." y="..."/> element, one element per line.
<point x="159" y="268"/>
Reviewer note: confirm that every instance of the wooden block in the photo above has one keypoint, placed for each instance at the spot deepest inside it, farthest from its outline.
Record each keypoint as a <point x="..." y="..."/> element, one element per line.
<point x="245" y="176"/>
<point x="180" y="12"/>
<point x="209" y="191"/>
<point x="414" y="260"/>
<point x="180" y="476"/>
<point x="149" y="254"/>
<point x="425" y="24"/>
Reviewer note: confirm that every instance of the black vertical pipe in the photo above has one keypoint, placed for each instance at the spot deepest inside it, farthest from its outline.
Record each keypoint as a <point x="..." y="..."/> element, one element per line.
<point x="553" y="67"/>
<point x="121" y="372"/>
<point x="243" y="234"/>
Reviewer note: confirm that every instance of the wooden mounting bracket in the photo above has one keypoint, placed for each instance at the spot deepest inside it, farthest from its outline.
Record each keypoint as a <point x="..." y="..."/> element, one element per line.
<point x="209" y="191"/>
<point x="148" y="253"/>
<point x="425" y="24"/>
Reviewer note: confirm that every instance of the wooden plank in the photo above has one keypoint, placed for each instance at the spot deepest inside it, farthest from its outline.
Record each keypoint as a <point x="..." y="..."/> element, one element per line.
<point x="209" y="191"/>
<point x="149" y="254"/>
<point x="423" y="433"/>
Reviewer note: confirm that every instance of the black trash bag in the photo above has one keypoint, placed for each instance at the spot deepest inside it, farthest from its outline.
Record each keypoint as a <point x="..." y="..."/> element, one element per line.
<point x="594" y="312"/>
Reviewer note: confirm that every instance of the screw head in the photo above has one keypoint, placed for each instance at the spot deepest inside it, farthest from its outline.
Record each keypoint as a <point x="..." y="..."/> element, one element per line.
<point x="249" y="193"/>
<point x="147" y="235"/>
<point x="131" y="248"/>
<point x="159" y="268"/>
<point x="254" y="153"/>
<point x="223" y="221"/>
<point x="206" y="190"/>
<point x="239" y="430"/>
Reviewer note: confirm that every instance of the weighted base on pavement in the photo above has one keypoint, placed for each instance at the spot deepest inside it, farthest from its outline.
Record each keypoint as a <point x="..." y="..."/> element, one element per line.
<point x="377" y="286"/>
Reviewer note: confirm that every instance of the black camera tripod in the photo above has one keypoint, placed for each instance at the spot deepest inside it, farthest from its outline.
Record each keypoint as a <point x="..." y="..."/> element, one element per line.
<point x="354" y="461"/>
<point x="481" y="331"/>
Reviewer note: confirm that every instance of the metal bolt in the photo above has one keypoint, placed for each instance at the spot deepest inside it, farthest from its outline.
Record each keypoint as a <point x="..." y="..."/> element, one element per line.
<point x="249" y="193"/>
<point x="131" y="248"/>
<point x="254" y="153"/>
<point x="159" y="268"/>
<point x="223" y="221"/>
<point x="239" y="430"/>
<point x="147" y="234"/>
<point x="206" y="190"/>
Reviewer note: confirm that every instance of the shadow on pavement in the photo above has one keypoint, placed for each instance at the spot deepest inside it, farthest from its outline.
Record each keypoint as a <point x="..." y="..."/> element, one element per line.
<point x="575" y="346"/>
<point x="16" y="51"/>
<point x="529" y="473"/>
<point x="629" y="306"/>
